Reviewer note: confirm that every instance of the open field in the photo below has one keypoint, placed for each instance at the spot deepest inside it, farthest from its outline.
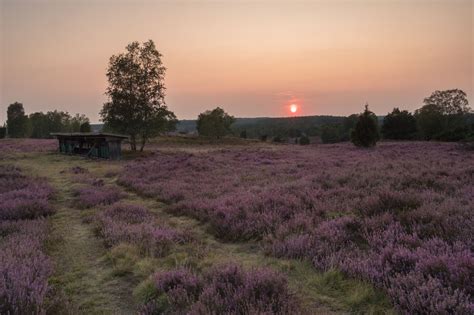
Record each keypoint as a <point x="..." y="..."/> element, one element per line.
<point x="245" y="227"/>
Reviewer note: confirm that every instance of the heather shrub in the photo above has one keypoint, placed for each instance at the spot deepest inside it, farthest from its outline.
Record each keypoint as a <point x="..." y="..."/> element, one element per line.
<point x="88" y="197"/>
<point x="127" y="213"/>
<point x="24" y="268"/>
<point x="234" y="291"/>
<point x="8" y="146"/>
<point x="413" y="292"/>
<point x="226" y="289"/>
<point x="125" y="223"/>
<point x="389" y="201"/>
<point x="22" y="197"/>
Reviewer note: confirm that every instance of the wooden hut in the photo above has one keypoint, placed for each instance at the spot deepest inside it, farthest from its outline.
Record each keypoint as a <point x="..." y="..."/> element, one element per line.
<point x="90" y="144"/>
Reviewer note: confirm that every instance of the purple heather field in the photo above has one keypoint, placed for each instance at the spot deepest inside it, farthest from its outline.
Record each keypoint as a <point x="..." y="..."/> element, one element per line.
<point x="24" y="267"/>
<point x="398" y="216"/>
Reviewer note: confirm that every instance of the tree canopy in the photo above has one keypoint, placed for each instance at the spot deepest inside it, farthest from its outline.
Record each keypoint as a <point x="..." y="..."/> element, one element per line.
<point x="366" y="131"/>
<point x="448" y="102"/>
<point x="399" y="125"/>
<point x="42" y="124"/>
<point x="136" y="92"/>
<point x="443" y="115"/>
<point x="214" y="123"/>
<point x="17" y="121"/>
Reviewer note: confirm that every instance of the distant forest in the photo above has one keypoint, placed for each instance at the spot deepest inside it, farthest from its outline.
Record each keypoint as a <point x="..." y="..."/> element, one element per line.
<point x="445" y="116"/>
<point x="274" y="127"/>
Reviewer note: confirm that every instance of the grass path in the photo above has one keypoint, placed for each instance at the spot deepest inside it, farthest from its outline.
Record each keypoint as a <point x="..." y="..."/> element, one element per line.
<point x="89" y="278"/>
<point x="82" y="271"/>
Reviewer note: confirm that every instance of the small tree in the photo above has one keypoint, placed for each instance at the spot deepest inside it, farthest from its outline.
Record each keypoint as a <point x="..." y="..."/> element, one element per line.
<point x="243" y="134"/>
<point x="3" y="132"/>
<point x="214" y="123"/>
<point x="136" y="92"/>
<point x="304" y="140"/>
<point x="400" y="125"/>
<point x="17" y="121"/>
<point x="366" y="131"/>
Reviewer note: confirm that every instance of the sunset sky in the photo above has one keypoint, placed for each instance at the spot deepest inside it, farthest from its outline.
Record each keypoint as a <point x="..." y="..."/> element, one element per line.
<point x="253" y="58"/>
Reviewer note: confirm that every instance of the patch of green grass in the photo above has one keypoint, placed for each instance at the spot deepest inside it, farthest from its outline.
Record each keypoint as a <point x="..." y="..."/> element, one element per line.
<point x="123" y="258"/>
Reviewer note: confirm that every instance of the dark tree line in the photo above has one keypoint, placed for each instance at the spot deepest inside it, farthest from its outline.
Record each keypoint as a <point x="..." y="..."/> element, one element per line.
<point x="444" y="116"/>
<point x="40" y="125"/>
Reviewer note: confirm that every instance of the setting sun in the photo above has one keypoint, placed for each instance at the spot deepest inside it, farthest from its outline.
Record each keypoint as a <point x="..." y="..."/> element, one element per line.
<point x="293" y="108"/>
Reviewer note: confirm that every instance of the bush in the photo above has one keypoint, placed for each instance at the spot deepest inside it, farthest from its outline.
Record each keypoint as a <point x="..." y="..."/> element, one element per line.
<point x="263" y="138"/>
<point x="366" y="131"/>
<point x="22" y="197"/>
<point x="226" y="289"/>
<point x="330" y="133"/>
<point x="24" y="268"/>
<point x="399" y="125"/>
<point x="455" y="134"/>
<point x="243" y="134"/>
<point x="88" y="197"/>
<point x="125" y="223"/>
<point x="304" y="140"/>
<point x="3" y="132"/>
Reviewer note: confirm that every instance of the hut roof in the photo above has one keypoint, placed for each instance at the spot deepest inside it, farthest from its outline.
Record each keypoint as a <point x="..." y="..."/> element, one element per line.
<point x="88" y="135"/>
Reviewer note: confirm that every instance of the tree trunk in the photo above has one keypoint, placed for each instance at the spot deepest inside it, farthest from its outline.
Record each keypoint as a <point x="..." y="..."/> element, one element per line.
<point x="133" y="143"/>
<point x="143" y="144"/>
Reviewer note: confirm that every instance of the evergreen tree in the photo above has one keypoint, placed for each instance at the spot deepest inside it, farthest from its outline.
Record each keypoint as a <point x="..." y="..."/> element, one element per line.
<point x="17" y="121"/>
<point x="366" y="131"/>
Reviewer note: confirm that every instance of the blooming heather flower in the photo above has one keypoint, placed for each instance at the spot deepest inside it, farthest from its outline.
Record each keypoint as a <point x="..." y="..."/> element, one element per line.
<point x="91" y="196"/>
<point x="225" y="289"/>
<point x="23" y="197"/>
<point x="126" y="223"/>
